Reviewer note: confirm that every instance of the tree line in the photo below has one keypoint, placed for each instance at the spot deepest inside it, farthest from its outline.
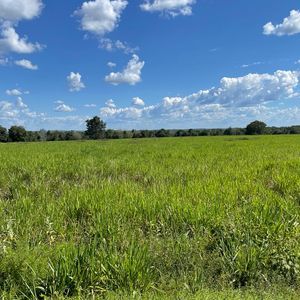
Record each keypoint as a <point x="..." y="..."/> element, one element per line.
<point x="96" y="129"/>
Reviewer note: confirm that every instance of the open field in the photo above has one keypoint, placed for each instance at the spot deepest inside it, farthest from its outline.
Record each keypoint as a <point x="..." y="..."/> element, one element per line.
<point x="203" y="217"/>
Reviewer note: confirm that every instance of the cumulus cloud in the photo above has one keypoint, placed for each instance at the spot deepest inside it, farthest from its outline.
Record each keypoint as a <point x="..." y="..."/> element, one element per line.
<point x="289" y="26"/>
<point x="239" y="95"/>
<point x="16" y="10"/>
<point x="131" y="74"/>
<point x="169" y="7"/>
<point x="248" y="90"/>
<point x="110" y="45"/>
<point x="101" y="16"/>
<point x="21" y="104"/>
<point x="90" y="105"/>
<point x="11" y="12"/>
<point x="110" y="103"/>
<point x="10" y="41"/>
<point x="17" y="113"/>
<point x="138" y="101"/>
<point x="62" y="107"/>
<point x="7" y="110"/>
<point x="122" y="113"/>
<point x="27" y="64"/>
<point x="14" y="92"/>
<point x="75" y="83"/>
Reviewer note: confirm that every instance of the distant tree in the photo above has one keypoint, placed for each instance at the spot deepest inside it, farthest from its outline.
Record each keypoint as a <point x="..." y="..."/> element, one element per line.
<point x="43" y="134"/>
<point x="56" y="135"/>
<point x="192" y="132"/>
<point x="144" y="133"/>
<point x="162" y="133"/>
<point x="228" y="131"/>
<point x="17" y="134"/>
<point x="137" y="134"/>
<point x="117" y="134"/>
<point x="216" y="132"/>
<point x="126" y="134"/>
<point x="32" y="136"/>
<point x="203" y="133"/>
<point x="239" y="131"/>
<point x="256" y="127"/>
<point x="109" y="134"/>
<point x="73" y="135"/>
<point x="3" y="134"/>
<point x="180" y="132"/>
<point x="294" y="130"/>
<point x="113" y="134"/>
<point x="95" y="128"/>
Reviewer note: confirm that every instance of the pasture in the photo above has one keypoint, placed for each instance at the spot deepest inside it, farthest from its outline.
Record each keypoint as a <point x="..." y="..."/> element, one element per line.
<point x="195" y="217"/>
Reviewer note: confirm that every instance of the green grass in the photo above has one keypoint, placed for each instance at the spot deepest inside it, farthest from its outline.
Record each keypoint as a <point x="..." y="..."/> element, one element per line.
<point x="174" y="218"/>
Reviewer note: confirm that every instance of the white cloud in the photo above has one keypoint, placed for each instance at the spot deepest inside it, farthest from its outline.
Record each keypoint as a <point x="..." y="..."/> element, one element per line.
<point x="289" y="26"/>
<point x="62" y="107"/>
<point x="10" y="41"/>
<point x="131" y="74"/>
<point x="138" y="101"/>
<point x="111" y="64"/>
<point x="110" y="45"/>
<point x="122" y="113"/>
<point x="5" y="105"/>
<point x="110" y="103"/>
<point x="11" y="12"/>
<point x="101" y="16"/>
<point x="14" y="92"/>
<point x="17" y="113"/>
<point x="248" y="90"/>
<point x="75" y="83"/>
<point x="235" y="96"/>
<point x="16" y="10"/>
<point x="4" y="61"/>
<point x="21" y="104"/>
<point x="59" y="102"/>
<point x="257" y="63"/>
<point x="7" y="110"/>
<point x="70" y="122"/>
<point x="169" y="7"/>
<point x="27" y="64"/>
<point x="90" y="105"/>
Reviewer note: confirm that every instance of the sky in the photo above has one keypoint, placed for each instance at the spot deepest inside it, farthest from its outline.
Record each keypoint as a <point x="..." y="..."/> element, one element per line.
<point x="149" y="64"/>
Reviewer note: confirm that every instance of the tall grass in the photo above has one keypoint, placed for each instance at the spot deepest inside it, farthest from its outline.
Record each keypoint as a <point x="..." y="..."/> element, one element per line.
<point x="159" y="217"/>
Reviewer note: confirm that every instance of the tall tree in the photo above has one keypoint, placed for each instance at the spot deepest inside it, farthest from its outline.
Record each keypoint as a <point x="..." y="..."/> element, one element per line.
<point x="17" y="134"/>
<point x="256" y="127"/>
<point x="95" y="128"/>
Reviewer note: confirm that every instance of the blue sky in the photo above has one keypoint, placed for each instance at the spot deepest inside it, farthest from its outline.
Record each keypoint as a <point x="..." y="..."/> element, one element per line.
<point x="149" y="64"/>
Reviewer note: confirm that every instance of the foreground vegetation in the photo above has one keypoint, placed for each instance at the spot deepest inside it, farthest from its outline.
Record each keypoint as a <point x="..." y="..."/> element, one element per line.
<point x="195" y="217"/>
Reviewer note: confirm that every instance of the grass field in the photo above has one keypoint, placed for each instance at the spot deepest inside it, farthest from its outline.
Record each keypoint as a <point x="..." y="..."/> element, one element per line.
<point x="173" y="218"/>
